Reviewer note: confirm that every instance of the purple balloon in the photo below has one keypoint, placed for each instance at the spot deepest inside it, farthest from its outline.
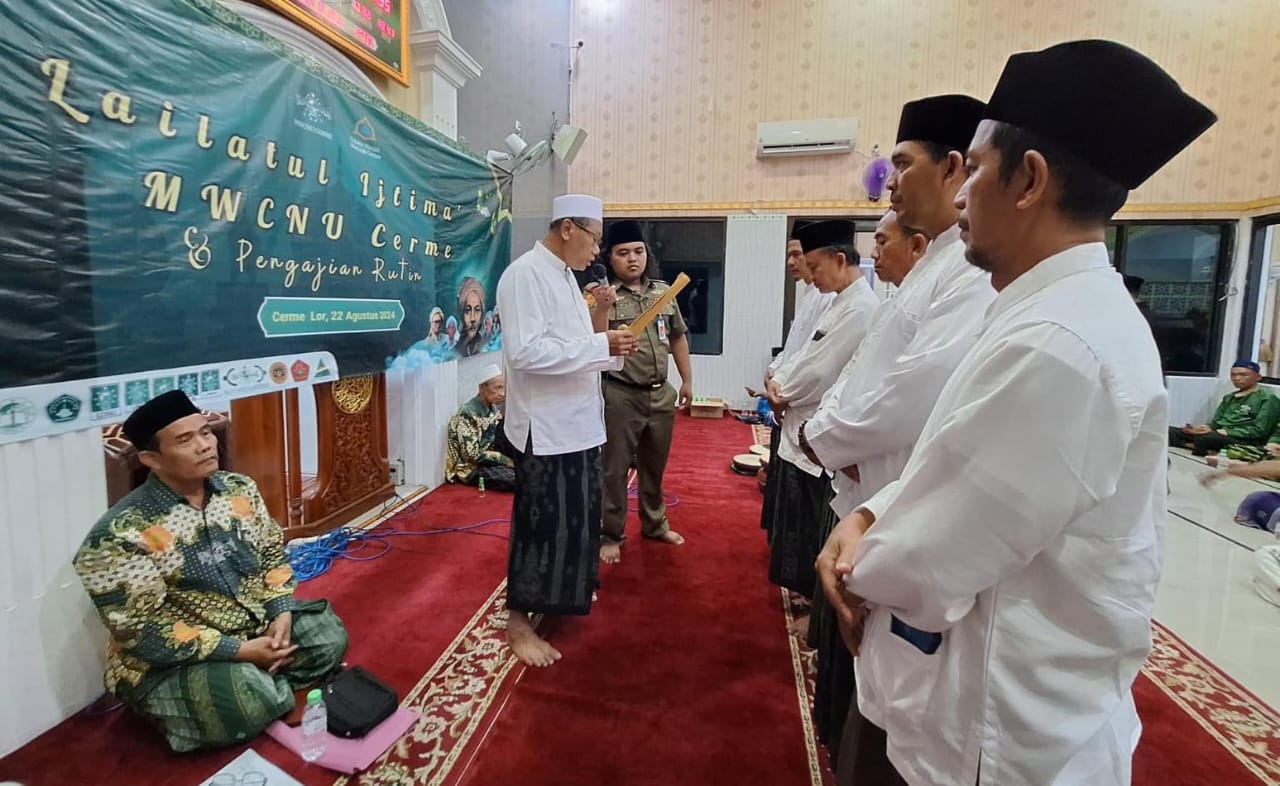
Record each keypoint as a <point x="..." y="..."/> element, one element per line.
<point x="875" y="176"/>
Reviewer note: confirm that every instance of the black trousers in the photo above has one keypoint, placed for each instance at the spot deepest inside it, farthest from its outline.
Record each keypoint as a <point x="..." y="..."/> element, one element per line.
<point x="1201" y="444"/>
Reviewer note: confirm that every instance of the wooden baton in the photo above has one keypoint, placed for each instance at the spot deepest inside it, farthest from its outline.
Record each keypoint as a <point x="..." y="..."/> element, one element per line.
<point x="651" y="313"/>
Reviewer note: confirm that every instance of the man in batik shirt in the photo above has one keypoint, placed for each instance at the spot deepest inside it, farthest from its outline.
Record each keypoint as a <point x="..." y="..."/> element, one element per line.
<point x="190" y="577"/>
<point x="476" y="445"/>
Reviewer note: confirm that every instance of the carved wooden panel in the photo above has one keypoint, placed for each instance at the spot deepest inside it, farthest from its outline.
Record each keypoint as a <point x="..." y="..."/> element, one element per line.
<point x="353" y="470"/>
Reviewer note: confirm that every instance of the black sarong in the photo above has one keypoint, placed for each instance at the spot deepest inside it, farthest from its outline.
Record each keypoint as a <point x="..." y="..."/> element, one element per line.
<point x="771" y="483"/>
<point x="834" y="684"/>
<point x="554" y="560"/>
<point x="797" y="511"/>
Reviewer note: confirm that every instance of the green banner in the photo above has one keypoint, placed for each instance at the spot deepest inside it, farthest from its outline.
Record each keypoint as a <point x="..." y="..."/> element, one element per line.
<point x="181" y="190"/>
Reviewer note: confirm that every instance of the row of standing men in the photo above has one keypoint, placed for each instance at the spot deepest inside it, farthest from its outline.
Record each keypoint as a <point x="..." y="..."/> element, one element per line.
<point x="968" y="478"/>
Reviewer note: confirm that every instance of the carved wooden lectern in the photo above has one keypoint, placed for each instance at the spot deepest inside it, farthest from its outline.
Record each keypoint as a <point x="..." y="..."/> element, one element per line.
<point x="352" y="470"/>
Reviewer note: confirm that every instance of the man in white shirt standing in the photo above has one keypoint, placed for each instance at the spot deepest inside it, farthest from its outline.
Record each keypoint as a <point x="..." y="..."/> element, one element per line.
<point x="915" y="345"/>
<point x="810" y="306"/>
<point x="555" y="421"/>
<point x="796" y="390"/>
<point x="1036" y="570"/>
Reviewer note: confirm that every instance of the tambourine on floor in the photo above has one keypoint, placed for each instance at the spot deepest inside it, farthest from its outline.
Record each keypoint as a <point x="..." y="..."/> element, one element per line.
<point x="746" y="463"/>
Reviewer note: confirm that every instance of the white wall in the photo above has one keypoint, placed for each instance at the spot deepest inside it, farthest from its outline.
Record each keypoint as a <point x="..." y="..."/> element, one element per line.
<point x="52" y="490"/>
<point x="754" y="261"/>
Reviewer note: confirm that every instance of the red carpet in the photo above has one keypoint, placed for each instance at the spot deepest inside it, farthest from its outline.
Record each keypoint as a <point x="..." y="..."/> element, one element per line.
<point x="1199" y="725"/>
<point x="683" y="673"/>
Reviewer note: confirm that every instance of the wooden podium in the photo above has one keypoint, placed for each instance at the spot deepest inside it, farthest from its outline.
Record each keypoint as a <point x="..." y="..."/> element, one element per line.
<point x="352" y="471"/>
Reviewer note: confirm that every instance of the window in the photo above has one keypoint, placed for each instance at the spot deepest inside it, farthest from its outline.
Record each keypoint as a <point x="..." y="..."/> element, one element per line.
<point x="1184" y="269"/>
<point x="1260" y="327"/>
<point x="694" y="247"/>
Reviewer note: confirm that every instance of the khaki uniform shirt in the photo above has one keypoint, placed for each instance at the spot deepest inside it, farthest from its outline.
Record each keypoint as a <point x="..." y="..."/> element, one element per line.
<point x="649" y="364"/>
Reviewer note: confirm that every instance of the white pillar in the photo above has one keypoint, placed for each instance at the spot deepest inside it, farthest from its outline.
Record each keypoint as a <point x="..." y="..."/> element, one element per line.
<point x="421" y="401"/>
<point x="442" y="68"/>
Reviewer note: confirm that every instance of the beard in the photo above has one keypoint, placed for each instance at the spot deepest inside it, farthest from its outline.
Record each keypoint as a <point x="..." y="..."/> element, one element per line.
<point x="978" y="258"/>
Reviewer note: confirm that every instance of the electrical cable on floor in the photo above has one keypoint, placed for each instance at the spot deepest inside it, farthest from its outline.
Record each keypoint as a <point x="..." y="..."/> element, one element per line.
<point x="315" y="558"/>
<point x="670" y="500"/>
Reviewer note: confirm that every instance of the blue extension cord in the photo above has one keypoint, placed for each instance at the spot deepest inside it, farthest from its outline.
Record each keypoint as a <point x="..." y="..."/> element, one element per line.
<point x="314" y="558"/>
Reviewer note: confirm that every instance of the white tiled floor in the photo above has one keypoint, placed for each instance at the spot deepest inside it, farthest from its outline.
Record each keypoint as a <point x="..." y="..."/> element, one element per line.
<point x="1206" y="595"/>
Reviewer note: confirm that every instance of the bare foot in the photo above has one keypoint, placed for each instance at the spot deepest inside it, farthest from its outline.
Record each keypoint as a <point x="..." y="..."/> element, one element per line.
<point x="672" y="537"/>
<point x="799" y="627"/>
<point x="611" y="553"/>
<point x="531" y="649"/>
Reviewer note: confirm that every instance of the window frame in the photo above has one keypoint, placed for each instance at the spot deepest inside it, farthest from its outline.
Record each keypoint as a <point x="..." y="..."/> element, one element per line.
<point x="1221" y="276"/>
<point x="1254" y="301"/>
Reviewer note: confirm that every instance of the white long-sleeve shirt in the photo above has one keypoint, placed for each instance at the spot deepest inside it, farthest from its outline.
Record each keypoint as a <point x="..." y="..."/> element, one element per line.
<point x="918" y="339"/>
<point x="553" y="357"/>
<point x="810" y="307"/>
<point x="1033" y="548"/>
<point x="806" y="376"/>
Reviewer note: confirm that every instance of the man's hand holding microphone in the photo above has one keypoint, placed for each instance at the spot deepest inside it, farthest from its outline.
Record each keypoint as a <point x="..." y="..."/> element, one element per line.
<point x="621" y="342"/>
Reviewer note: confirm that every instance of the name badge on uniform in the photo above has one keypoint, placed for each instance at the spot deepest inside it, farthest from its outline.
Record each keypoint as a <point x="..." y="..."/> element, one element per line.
<point x="662" y="328"/>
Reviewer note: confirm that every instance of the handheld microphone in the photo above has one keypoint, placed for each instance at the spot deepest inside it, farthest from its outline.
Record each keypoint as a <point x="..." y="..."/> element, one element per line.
<point x="599" y="276"/>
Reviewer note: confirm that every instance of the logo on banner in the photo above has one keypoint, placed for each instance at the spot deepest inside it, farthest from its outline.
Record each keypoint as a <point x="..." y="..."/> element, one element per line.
<point x="137" y="392"/>
<point x="322" y="371"/>
<point x="364" y="139"/>
<point x="310" y="113"/>
<point x="162" y="385"/>
<point x="190" y="384"/>
<point x="245" y="376"/>
<point x="209" y="381"/>
<point x="104" y="398"/>
<point x="300" y="370"/>
<point x="63" y="409"/>
<point x="279" y="374"/>
<point x="16" y="414"/>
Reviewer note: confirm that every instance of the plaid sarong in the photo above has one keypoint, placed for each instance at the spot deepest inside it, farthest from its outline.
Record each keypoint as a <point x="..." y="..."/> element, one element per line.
<point x="217" y="703"/>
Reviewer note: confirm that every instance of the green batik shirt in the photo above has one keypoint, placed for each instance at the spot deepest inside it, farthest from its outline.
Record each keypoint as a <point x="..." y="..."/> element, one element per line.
<point x="177" y="586"/>
<point x="472" y="432"/>
<point x="1250" y="418"/>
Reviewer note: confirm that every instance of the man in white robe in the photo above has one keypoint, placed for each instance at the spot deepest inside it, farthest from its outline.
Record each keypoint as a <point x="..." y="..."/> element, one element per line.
<point x="870" y="431"/>
<point x="555" y="422"/>
<point x="797" y="388"/>
<point x="811" y="304"/>
<point x="1034" y="570"/>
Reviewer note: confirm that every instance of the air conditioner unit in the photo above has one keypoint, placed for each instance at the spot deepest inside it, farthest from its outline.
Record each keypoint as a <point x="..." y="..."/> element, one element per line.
<point x="806" y="137"/>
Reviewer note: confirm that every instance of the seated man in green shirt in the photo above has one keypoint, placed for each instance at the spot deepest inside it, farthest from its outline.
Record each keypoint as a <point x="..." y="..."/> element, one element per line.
<point x="190" y="577"/>
<point x="478" y="451"/>
<point x="1247" y="416"/>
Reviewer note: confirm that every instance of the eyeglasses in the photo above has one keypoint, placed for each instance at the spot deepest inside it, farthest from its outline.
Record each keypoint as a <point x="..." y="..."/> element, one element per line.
<point x="595" y="237"/>
<point x="247" y="779"/>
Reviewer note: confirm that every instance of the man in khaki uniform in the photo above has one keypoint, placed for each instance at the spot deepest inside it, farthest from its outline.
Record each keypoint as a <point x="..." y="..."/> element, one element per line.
<point x="639" y="405"/>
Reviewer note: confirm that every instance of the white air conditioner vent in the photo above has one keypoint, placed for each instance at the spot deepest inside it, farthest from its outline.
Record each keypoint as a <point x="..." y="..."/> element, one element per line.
<point x="806" y="137"/>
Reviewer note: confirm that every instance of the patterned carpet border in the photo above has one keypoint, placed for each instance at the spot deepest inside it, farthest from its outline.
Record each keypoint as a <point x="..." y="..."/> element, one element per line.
<point x="454" y="697"/>
<point x="1244" y="724"/>
<point x="804" y="665"/>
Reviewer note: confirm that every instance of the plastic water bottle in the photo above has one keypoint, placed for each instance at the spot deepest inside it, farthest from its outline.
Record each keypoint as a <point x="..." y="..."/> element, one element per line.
<point x="315" y="723"/>
<point x="482" y="485"/>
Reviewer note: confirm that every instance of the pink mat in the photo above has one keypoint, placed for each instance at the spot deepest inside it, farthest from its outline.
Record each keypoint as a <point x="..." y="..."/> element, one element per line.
<point x="349" y="756"/>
